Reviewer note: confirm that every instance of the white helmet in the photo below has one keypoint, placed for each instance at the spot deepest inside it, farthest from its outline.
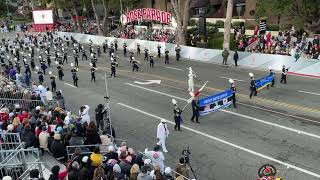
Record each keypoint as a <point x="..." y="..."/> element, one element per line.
<point x="174" y="102"/>
<point x="231" y="81"/>
<point x="251" y="74"/>
<point x="71" y="64"/>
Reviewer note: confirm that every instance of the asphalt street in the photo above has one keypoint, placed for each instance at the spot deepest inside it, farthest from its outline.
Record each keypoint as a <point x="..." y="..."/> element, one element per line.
<point x="280" y="126"/>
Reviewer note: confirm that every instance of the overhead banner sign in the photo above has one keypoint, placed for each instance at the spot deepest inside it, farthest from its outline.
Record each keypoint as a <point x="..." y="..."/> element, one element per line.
<point x="148" y="14"/>
<point x="215" y="102"/>
<point x="264" y="82"/>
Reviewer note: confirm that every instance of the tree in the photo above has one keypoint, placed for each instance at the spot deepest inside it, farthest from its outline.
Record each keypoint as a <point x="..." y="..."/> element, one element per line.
<point x="300" y="13"/>
<point x="182" y="20"/>
<point x="227" y="25"/>
<point x="93" y="4"/>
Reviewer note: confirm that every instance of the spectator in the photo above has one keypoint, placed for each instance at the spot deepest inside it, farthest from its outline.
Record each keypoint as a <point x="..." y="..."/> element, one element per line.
<point x="134" y="172"/>
<point x="74" y="172"/>
<point x="57" y="148"/>
<point x="182" y="168"/>
<point x="96" y="157"/>
<point x="143" y="175"/>
<point x="28" y="137"/>
<point x="99" y="174"/>
<point x="60" y="100"/>
<point x="126" y="166"/>
<point x="111" y="154"/>
<point x="157" y="173"/>
<point x="92" y="136"/>
<point x="117" y="172"/>
<point x="43" y="139"/>
<point x="156" y="156"/>
<point x="34" y="174"/>
<point x="86" y="172"/>
<point x="167" y="174"/>
<point x="84" y="114"/>
<point x="55" y="173"/>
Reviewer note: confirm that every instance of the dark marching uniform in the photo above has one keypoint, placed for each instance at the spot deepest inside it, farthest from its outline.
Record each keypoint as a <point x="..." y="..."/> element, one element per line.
<point x="178" y="49"/>
<point x="93" y="74"/>
<point x="233" y="88"/>
<point x="116" y="45"/>
<point x="146" y="55"/>
<point x="74" y="77"/>
<point x="177" y="117"/>
<point x="138" y="48"/>
<point x="113" y="68"/>
<point x="40" y="76"/>
<point x="284" y="75"/>
<point x="166" y="61"/>
<point x="271" y="73"/>
<point x="84" y="55"/>
<point x="159" y="51"/>
<point x="60" y="71"/>
<point x="98" y="51"/>
<point x="253" y="88"/>
<point x="195" y="110"/>
<point x="53" y="84"/>
<point x="76" y="59"/>
<point x="135" y="65"/>
<point x="125" y="49"/>
<point x="65" y="57"/>
<point x="151" y="61"/>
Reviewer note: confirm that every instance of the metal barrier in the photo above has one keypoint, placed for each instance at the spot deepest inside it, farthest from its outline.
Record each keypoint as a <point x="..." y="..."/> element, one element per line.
<point x="175" y="173"/>
<point x="24" y="104"/>
<point x="9" y="140"/>
<point x="86" y="149"/>
<point x="37" y="165"/>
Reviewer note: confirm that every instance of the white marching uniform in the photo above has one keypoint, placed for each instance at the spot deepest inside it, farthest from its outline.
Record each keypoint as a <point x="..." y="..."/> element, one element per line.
<point x="162" y="134"/>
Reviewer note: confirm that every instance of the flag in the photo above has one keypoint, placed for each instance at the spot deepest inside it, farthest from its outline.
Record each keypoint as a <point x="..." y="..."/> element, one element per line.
<point x="198" y="92"/>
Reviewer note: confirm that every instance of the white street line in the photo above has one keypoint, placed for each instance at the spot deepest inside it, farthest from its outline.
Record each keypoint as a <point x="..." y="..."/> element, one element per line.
<point x="227" y="143"/>
<point x="233" y="79"/>
<point x="306" y="92"/>
<point x="237" y="114"/>
<point x="173" y="68"/>
<point x="70" y="85"/>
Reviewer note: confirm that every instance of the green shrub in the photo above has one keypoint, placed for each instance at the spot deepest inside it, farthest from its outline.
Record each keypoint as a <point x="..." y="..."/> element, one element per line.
<point x="273" y="27"/>
<point x="210" y="24"/>
<point x="219" y="24"/>
<point x="215" y="41"/>
<point x="192" y="22"/>
<point x="236" y="24"/>
<point x="249" y="26"/>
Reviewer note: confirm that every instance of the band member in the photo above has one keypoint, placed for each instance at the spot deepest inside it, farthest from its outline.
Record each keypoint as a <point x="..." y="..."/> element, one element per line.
<point x="113" y="68"/>
<point x="166" y="61"/>
<point x="94" y="60"/>
<point x="53" y="82"/>
<point x="146" y="54"/>
<point x="84" y="55"/>
<point x="105" y="46"/>
<point x="76" y="59"/>
<point x="98" y="51"/>
<point x="134" y="64"/>
<point x="33" y="65"/>
<point x="60" y="71"/>
<point x="40" y="75"/>
<point x="131" y="56"/>
<point x="74" y="75"/>
<point x="195" y="110"/>
<point x="178" y="49"/>
<point x="93" y="73"/>
<point x="116" y="45"/>
<point x="271" y="73"/>
<point x="124" y="49"/>
<point x="177" y="115"/>
<point x="159" y="51"/>
<point x="65" y="56"/>
<point x="151" y="61"/>
<point x="138" y="48"/>
<point x="284" y="75"/>
<point x="233" y="88"/>
<point x="43" y="66"/>
<point x="253" y="88"/>
<point x="49" y="60"/>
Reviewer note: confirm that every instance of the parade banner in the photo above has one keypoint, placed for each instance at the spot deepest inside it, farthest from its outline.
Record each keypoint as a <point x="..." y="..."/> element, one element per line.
<point x="263" y="82"/>
<point x="215" y="102"/>
<point x="148" y="14"/>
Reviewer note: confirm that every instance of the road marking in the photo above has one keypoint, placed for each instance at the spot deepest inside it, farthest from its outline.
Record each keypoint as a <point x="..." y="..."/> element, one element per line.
<point x="226" y="142"/>
<point x="233" y="79"/>
<point x="148" y="82"/>
<point x="70" y="85"/>
<point x="168" y="67"/>
<point x="306" y="92"/>
<point x="237" y="114"/>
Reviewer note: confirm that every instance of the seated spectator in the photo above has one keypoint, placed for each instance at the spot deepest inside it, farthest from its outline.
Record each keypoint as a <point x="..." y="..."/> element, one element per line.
<point x="125" y="165"/>
<point x="54" y="173"/>
<point x="143" y="175"/>
<point x="57" y="148"/>
<point x="167" y="174"/>
<point x="134" y="172"/>
<point x="99" y="174"/>
<point x="117" y="172"/>
<point x="96" y="157"/>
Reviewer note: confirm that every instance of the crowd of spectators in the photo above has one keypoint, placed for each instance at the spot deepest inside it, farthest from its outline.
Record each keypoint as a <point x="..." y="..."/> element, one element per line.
<point x="285" y="43"/>
<point x="52" y="128"/>
<point x="88" y="27"/>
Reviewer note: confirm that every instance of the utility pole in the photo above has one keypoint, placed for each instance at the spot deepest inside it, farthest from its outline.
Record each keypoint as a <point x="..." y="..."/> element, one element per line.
<point x="108" y="117"/>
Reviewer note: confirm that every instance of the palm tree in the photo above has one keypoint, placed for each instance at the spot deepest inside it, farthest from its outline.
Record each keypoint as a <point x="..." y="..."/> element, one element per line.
<point x="227" y="25"/>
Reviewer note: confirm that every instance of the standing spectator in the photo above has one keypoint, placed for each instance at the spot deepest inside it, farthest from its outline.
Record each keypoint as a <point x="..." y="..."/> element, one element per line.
<point x="74" y="173"/>
<point x="28" y="137"/>
<point x="92" y="136"/>
<point x="57" y="148"/>
<point x="55" y="173"/>
<point x="225" y="55"/>
<point x="117" y="172"/>
<point x="156" y="157"/>
<point x="84" y="114"/>
<point x="43" y="139"/>
<point x="235" y="58"/>
<point x="96" y="157"/>
<point x="100" y="111"/>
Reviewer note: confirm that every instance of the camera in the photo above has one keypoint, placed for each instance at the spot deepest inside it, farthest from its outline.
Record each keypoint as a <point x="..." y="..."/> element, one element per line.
<point x="185" y="153"/>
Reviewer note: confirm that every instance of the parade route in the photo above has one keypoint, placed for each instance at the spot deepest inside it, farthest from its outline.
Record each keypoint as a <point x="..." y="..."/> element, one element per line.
<point x="281" y="126"/>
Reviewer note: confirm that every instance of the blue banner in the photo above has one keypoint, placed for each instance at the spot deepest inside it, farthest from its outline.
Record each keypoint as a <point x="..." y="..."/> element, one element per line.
<point x="215" y="102"/>
<point x="263" y="82"/>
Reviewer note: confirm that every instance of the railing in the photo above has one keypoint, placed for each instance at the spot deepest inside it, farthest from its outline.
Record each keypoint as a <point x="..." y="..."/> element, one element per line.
<point x="9" y="140"/>
<point x="23" y="103"/>
<point x="37" y="165"/>
<point x="175" y="173"/>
